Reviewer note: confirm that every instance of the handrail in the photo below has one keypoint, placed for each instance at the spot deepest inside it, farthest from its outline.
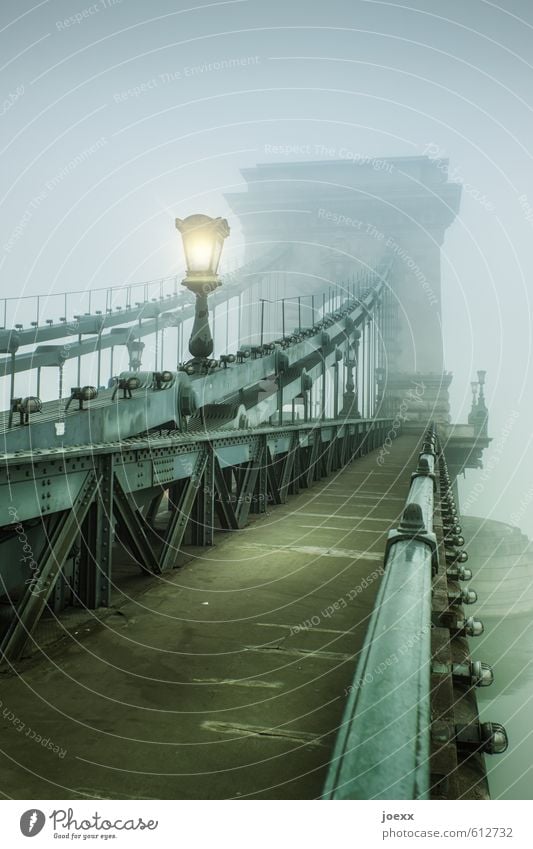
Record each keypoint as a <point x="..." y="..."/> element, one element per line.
<point x="383" y="746"/>
<point x="95" y="321"/>
<point x="126" y="323"/>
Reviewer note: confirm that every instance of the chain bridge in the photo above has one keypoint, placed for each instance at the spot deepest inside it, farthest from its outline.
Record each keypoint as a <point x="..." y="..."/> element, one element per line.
<point x="232" y="557"/>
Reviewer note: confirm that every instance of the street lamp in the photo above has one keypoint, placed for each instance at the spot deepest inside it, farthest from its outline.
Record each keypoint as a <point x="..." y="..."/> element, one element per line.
<point x="474" y="385"/>
<point x="203" y="239"/>
<point x="481" y="380"/>
<point x="380" y="380"/>
<point x="481" y="416"/>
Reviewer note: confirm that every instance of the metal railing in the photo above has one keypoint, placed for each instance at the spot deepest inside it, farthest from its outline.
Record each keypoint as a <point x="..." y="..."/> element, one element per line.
<point x="383" y="747"/>
<point x="113" y="326"/>
<point x="104" y="299"/>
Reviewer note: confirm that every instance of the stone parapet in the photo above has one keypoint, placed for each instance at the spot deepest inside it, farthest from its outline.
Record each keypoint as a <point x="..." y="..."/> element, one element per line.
<point x="417" y="398"/>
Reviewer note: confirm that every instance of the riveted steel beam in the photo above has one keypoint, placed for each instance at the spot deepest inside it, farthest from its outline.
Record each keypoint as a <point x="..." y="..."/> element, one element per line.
<point x="224" y="500"/>
<point x="154" y="507"/>
<point x="287" y="478"/>
<point x="181" y="514"/>
<point x="96" y="541"/>
<point x="310" y="474"/>
<point x="272" y="478"/>
<point x="260" y="496"/>
<point x="247" y="487"/>
<point x="57" y="548"/>
<point x="131" y="529"/>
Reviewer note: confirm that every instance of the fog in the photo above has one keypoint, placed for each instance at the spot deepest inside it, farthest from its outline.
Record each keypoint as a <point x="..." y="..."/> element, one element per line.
<point x="120" y="115"/>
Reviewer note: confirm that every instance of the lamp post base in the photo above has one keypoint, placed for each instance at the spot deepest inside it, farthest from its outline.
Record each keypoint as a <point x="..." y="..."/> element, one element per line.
<point x="349" y="406"/>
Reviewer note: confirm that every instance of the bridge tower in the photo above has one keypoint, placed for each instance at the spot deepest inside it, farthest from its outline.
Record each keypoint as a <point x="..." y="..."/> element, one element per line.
<point x="343" y="217"/>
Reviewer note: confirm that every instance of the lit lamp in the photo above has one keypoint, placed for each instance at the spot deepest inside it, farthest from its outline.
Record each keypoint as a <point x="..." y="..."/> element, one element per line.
<point x="203" y="239"/>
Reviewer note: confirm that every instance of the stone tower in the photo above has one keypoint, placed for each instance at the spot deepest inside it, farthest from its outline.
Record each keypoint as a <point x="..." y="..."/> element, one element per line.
<point x="333" y="221"/>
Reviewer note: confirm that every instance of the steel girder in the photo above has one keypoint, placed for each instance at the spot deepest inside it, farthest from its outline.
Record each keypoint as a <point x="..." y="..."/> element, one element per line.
<point x="180" y="515"/>
<point x="224" y="499"/>
<point x="96" y="540"/>
<point x="132" y="529"/>
<point x="57" y="547"/>
<point x="84" y="498"/>
<point x="280" y="473"/>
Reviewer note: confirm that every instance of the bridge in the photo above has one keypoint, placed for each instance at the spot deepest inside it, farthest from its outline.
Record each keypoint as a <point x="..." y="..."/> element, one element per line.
<point x="237" y="571"/>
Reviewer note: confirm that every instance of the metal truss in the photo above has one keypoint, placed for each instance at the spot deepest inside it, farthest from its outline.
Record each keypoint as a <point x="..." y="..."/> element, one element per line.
<point x="80" y="506"/>
<point x="40" y="583"/>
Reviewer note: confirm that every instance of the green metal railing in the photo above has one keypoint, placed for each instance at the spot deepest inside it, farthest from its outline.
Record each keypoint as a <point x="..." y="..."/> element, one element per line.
<point x="383" y="746"/>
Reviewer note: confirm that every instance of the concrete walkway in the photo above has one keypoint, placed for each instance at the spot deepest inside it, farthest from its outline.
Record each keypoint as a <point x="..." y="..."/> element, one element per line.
<point x="225" y="678"/>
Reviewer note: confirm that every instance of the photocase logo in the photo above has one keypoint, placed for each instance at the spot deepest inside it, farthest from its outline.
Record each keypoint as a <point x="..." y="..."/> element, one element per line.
<point x="32" y="822"/>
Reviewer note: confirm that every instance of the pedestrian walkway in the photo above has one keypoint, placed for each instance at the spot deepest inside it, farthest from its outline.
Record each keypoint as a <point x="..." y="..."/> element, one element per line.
<point x="225" y="678"/>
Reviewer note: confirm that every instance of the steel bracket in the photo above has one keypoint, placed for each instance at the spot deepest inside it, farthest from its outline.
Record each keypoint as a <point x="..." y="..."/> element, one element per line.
<point x="398" y="535"/>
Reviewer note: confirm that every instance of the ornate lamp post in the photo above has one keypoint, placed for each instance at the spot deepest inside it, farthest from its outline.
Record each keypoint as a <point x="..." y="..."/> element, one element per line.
<point x="474" y="385"/>
<point x="350" y="399"/>
<point x="481" y="380"/>
<point x="380" y="382"/>
<point x="135" y="350"/>
<point x="203" y="239"/>
<point x="482" y="412"/>
<point x="478" y="415"/>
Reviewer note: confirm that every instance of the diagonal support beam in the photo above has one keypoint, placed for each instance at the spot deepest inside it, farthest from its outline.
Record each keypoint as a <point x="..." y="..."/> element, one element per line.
<point x="223" y="503"/>
<point x="131" y="530"/>
<point x="330" y="452"/>
<point x="272" y="479"/>
<point x="310" y="474"/>
<point x="344" y="447"/>
<point x="286" y="476"/>
<point x="202" y="516"/>
<point x="57" y="548"/>
<point x="245" y="495"/>
<point x="293" y="487"/>
<point x="181" y="515"/>
<point x="154" y="506"/>
<point x="260" y="496"/>
<point x="96" y="542"/>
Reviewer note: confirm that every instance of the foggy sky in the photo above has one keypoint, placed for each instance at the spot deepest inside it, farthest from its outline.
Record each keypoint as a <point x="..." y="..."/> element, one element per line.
<point x="147" y="95"/>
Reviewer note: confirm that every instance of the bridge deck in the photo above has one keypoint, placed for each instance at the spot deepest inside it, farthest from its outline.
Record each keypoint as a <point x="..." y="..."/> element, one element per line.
<point x="202" y="685"/>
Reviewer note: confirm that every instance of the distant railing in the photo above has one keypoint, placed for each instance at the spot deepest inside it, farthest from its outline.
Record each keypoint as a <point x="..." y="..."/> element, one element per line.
<point x="383" y="747"/>
<point x="33" y="310"/>
<point x="300" y="311"/>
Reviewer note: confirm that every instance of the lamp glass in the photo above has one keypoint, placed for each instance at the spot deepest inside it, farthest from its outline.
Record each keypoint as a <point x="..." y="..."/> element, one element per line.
<point x="203" y="238"/>
<point x="217" y="253"/>
<point x="199" y="250"/>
